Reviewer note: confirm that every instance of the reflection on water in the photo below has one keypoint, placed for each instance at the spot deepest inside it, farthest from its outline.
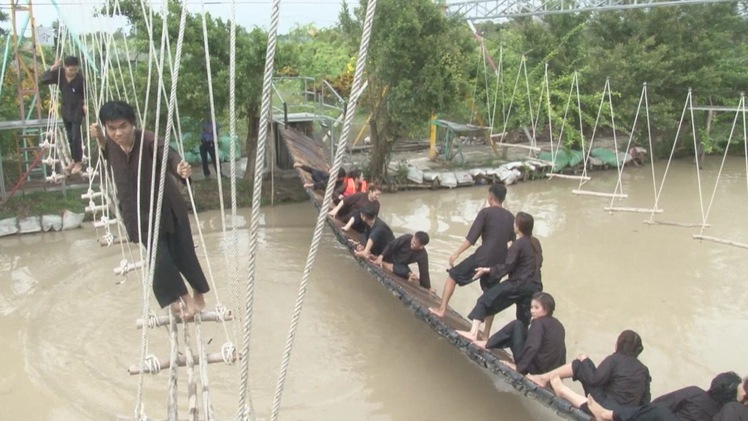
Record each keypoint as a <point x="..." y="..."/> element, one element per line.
<point x="68" y="330"/>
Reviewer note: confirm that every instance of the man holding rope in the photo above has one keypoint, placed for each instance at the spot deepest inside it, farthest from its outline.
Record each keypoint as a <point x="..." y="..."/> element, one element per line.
<point x="131" y="154"/>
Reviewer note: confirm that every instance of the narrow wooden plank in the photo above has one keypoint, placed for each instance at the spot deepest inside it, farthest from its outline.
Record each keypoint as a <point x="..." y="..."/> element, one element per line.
<point x="720" y="241"/>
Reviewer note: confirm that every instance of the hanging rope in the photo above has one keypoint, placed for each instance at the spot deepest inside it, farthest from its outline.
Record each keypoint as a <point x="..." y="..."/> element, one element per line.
<point x="740" y="110"/>
<point x="322" y="216"/>
<point x="619" y="182"/>
<point x="696" y="154"/>
<point x="245" y="405"/>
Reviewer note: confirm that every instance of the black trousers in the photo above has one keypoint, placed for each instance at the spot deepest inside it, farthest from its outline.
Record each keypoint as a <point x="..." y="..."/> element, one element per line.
<point x="176" y="257"/>
<point x="501" y="296"/>
<point x="643" y="413"/>
<point x="73" y="130"/>
<point x="512" y="336"/>
<point x="208" y="148"/>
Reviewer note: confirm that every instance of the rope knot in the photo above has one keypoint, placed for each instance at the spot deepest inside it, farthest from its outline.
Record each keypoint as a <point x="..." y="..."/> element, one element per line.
<point x="227" y="352"/>
<point x="152" y="364"/>
<point x="221" y="312"/>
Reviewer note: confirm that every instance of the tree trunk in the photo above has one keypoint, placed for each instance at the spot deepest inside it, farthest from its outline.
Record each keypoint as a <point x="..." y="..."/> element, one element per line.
<point x="253" y="128"/>
<point x="378" y="163"/>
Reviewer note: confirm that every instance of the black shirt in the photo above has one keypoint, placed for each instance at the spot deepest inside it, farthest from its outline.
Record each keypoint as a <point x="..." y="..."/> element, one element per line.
<point x="732" y="411"/>
<point x="355" y="203"/>
<point x="545" y="348"/>
<point x="522" y="262"/>
<point x="620" y="377"/>
<point x="690" y="404"/>
<point x="124" y="168"/>
<point x="399" y="252"/>
<point x="380" y="234"/>
<point x="495" y="227"/>
<point x="71" y="92"/>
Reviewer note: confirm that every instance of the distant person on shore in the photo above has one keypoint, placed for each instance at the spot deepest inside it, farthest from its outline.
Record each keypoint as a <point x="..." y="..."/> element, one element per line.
<point x="66" y="75"/>
<point x="522" y="264"/>
<point x="620" y="379"/>
<point x="208" y="137"/>
<point x="688" y="404"/>
<point x="355" y="183"/>
<point x="320" y="179"/>
<point x="349" y="209"/>
<point x="376" y="236"/>
<point x="407" y="249"/>
<point x="494" y="225"/>
<point x="131" y="155"/>
<point x="536" y="350"/>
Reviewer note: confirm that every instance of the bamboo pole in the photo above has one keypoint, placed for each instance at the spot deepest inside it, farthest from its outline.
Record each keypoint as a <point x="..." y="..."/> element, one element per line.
<point x="517" y="145"/>
<point x="212" y="358"/>
<point x="674" y="224"/>
<point x="720" y="241"/>
<point x="568" y="177"/>
<point x="632" y="210"/>
<point x="203" y="364"/>
<point x="174" y="360"/>
<point x="191" y="384"/>
<point x="599" y="194"/>
<point x="206" y="316"/>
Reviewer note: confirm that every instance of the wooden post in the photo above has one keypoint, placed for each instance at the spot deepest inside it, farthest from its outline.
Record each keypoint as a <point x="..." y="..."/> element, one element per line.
<point x="191" y="385"/>
<point x="203" y="365"/>
<point x="172" y="410"/>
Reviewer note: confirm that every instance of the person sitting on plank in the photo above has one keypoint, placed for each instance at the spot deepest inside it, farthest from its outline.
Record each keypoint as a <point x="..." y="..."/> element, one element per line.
<point x="376" y="235"/>
<point x="349" y="209"/>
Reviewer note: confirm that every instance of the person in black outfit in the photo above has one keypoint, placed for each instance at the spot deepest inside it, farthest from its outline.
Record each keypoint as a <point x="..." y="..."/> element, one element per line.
<point x="522" y="264"/>
<point x="320" y="179"/>
<point x="208" y="137"/>
<point x="375" y="237"/>
<point x="495" y="226"/>
<point x="736" y="411"/>
<point x="621" y="379"/>
<point x="125" y="149"/>
<point x="349" y="209"/>
<point x="539" y="349"/>
<point x="688" y="404"/>
<point x="73" y="104"/>
<point x="407" y="249"/>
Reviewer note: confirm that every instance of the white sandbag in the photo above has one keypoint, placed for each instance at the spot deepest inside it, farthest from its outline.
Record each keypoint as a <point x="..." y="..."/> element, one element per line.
<point x="29" y="225"/>
<point x="415" y="175"/>
<point x="8" y="226"/>
<point x="464" y="178"/>
<point x="502" y="173"/>
<point x="448" y="179"/>
<point x="477" y="172"/>
<point x="431" y="176"/>
<point x="71" y="220"/>
<point x="514" y="165"/>
<point x="512" y="177"/>
<point x="51" y="223"/>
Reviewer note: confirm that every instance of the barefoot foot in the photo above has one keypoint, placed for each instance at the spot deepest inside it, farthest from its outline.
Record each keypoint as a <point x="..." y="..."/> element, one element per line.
<point x="480" y="344"/>
<point x="467" y="335"/>
<point x="437" y="312"/>
<point x="600" y="413"/>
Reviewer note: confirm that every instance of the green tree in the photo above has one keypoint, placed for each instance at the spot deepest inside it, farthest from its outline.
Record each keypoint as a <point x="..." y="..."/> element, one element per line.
<point x="416" y="66"/>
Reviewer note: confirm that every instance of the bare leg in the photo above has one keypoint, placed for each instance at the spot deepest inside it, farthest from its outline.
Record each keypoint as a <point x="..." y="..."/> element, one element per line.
<point x="388" y="266"/>
<point x="473" y="333"/>
<point x="348" y="225"/>
<point x="563" y="372"/>
<point x="487" y="330"/>
<point x="600" y="413"/>
<point x="198" y="300"/>
<point x="449" y="289"/>
<point x="563" y="391"/>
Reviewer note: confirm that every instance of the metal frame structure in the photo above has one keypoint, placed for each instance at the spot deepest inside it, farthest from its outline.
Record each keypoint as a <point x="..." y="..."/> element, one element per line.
<point x="482" y="10"/>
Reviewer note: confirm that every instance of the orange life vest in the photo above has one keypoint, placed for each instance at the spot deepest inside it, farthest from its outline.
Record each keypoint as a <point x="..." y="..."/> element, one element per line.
<point x="350" y="186"/>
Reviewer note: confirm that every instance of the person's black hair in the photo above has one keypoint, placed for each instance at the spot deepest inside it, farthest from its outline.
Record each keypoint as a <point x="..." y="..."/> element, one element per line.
<point x="498" y="191"/>
<point x="422" y="238"/>
<point x="724" y="387"/>
<point x="629" y="343"/>
<point x="71" y="61"/>
<point x="546" y="301"/>
<point x="341" y="174"/>
<point x="116" y="110"/>
<point x="369" y="212"/>
<point x="355" y="173"/>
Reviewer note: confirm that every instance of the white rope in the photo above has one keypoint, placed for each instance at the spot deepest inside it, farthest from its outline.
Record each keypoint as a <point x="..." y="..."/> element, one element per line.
<point x="322" y="216"/>
<point x="619" y="182"/>
<point x="741" y="106"/>
<point x="586" y="154"/>
<point x="548" y="105"/>
<point x="579" y="111"/>
<point x="529" y="105"/>
<point x="554" y="152"/>
<point x="511" y="101"/>
<point x="245" y="410"/>
<point x="670" y="159"/>
<point x="696" y="155"/>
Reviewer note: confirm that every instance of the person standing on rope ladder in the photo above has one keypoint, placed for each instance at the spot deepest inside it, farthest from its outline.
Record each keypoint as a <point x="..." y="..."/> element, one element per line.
<point x="72" y="92"/>
<point x="175" y="254"/>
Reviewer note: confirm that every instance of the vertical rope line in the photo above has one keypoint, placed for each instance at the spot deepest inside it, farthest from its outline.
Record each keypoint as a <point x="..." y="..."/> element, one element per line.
<point x="322" y="216"/>
<point x="649" y="137"/>
<point x="696" y="155"/>
<point x="722" y="165"/>
<point x="594" y="131"/>
<point x="245" y="404"/>
<point x="619" y="183"/>
<point x="670" y="159"/>
<point x="234" y="152"/>
<point x="511" y="101"/>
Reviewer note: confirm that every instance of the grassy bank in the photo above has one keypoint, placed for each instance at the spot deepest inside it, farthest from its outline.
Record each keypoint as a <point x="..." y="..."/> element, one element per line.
<point x="206" y="198"/>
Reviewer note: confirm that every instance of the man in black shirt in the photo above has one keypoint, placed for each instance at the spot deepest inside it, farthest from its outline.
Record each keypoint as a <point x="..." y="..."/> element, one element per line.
<point x="376" y="235"/>
<point x="72" y="93"/>
<point x="407" y="249"/>
<point x="495" y="226"/>
<point x="348" y="210"/>
<point x="131" y="154"/>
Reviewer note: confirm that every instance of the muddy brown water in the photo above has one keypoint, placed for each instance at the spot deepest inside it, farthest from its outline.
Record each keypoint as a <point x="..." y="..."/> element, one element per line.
<point x="68" y="330"/>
